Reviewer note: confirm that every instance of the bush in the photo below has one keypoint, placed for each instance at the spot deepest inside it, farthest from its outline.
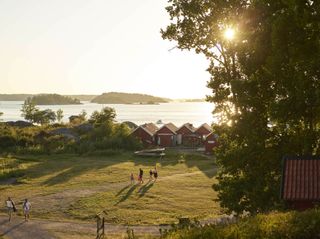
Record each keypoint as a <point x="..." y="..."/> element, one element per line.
<point x="293" y="225"/>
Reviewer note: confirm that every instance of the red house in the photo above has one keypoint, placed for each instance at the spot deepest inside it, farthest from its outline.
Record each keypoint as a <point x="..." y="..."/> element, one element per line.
<point x="300" y="186"/>
<point x="166" y="136"/>
<point x="146" y="133"/>
<point x="203" y="130"/>
<point x="186" y="136"/>
<point x="210" y="142"/>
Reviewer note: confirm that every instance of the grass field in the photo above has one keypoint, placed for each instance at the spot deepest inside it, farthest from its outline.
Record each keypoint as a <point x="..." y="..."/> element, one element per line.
<point x="71" y="187"/>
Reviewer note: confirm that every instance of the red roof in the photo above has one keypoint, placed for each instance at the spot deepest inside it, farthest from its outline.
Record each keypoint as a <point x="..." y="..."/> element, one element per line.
<point x="301" y="179"/>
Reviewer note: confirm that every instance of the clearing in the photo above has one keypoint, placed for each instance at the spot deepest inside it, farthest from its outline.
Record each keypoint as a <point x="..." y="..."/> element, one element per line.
<point x="75" y="188"/>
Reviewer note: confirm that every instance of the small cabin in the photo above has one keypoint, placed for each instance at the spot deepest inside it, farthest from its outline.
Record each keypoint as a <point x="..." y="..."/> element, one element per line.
<point x="145" y="133"/>
<point x="300" y="187"/>
<point x="210" y="143"/>
<point x="166" y="136"/>
<point x="203" y="130"/>
<point x="187" y="137"/>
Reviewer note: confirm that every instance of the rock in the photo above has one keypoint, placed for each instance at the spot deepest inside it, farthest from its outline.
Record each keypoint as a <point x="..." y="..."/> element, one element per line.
<point x="19" y="123"/>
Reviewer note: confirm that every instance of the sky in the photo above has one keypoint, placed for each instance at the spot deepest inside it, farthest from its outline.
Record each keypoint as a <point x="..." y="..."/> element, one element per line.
<point x="94" y="46"/>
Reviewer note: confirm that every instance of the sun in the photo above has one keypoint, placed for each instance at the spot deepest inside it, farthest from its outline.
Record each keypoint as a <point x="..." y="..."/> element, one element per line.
<point x="229" y="34"/>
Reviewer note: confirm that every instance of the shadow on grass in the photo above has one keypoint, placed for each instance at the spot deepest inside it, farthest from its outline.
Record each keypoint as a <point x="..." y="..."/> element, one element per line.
<point x="145" y="188"/>
<point x="62" y="168"/>
<point x="123" y="189"/>
<point x="128" y="194"/>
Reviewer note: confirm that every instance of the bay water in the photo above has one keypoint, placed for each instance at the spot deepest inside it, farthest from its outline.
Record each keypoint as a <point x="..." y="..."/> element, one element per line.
<point x="177" y="113"/>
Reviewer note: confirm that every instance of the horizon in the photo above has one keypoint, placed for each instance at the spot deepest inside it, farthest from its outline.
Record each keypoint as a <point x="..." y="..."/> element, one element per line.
<point x="94" y="47"/>
<point x="85" y="94"/>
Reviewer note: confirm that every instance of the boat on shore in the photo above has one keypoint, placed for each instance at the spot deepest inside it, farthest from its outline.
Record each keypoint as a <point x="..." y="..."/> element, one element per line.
<point x="151" y="152"/>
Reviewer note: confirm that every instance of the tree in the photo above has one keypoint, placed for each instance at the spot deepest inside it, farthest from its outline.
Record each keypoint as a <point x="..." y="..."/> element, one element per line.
<point x="78" y="119"/>
<point x="29" y="110"/>
<point x="59" y="115"/>
<point x="105" y="116"/>
<point x="265" y="86"/>
<point x="44" y="117"/>
<point x="1" y="113"/>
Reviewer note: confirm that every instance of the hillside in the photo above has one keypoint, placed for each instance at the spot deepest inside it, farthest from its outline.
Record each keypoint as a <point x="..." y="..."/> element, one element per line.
<point x="54" y="99"/>
<point x="127" y="98"/>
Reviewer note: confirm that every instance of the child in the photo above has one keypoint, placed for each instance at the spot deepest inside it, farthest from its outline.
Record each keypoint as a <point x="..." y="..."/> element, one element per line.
<point x="140" y="175"/>
<point x="155" y="174"/>
<point x="26" y="206"/>
<point x="150" y="173"/>
<point x="132" y="178"/>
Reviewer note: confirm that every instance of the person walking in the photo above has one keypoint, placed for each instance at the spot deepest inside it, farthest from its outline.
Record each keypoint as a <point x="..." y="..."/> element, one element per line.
<point x="150" y="173"/>
<point x="11" y="207"/>
<point x="141" y="176"/>
<point x="155" y="174"/>
<point x="132" y="179"/>
<point x="26" y="206"/>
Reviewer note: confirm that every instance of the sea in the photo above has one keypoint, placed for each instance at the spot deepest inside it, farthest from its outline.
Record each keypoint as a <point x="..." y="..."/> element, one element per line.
<point x="177" y="113"/>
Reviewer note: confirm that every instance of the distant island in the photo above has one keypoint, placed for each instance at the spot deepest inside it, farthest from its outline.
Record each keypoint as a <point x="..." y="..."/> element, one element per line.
<point x="54" y="99"/>
<point x="23" y="97"/>
<point x="194" y="100"/>
<point x="128" y="98"/>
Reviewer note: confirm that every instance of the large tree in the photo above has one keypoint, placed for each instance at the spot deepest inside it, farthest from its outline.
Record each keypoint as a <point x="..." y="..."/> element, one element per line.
<point x="265" y="86"/>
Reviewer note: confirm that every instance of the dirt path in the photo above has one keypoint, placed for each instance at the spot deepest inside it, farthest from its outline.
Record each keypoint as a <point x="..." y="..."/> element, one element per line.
<point x="47" y="229"/>
<point x="18" y="228"/>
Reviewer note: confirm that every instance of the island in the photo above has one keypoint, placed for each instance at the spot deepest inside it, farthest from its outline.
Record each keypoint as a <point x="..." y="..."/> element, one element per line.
<point x="128" y="98"/>
<point x="54" y="99"/>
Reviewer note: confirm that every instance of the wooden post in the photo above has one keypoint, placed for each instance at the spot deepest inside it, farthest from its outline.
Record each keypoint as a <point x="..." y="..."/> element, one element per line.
<point x="103" y="226"/>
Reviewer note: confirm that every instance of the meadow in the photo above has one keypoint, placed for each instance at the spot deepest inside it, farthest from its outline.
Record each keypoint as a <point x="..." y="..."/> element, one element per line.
<point x="72" y="187"/>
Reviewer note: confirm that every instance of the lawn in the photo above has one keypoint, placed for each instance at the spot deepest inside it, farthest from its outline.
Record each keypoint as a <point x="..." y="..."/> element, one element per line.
<point x="72" y="187"/>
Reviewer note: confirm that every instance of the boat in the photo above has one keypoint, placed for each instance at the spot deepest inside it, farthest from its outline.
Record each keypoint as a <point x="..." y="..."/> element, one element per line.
<point x="151" y="152"/>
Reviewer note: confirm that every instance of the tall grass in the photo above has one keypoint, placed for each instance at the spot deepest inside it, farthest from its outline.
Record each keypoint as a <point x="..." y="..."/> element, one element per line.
<point x="291" y="225"/>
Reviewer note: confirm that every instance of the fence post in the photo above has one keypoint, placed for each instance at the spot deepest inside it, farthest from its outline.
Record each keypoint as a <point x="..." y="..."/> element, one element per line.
<point x="103" y="226"/>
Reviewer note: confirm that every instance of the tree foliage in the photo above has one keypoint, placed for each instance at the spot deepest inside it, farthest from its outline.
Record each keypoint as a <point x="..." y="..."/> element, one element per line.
<point x="29" y="110"/>
<point x="59" y="115"/>
<point x="265" y="86"/>
<point x="33" y="114"/>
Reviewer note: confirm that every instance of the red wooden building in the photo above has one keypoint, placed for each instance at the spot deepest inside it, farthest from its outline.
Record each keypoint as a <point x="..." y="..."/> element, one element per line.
<point x="146" y="133"/>
<point x="203" y="130"/>
<point x="210" y="142"/>
<point x="187" y="137"/>
<point x="301" y="182"/>
<point x="166" y="136"/>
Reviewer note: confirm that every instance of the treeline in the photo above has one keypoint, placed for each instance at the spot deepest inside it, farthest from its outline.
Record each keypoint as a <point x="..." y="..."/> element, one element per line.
<point x="54" y="99"/>
<point x="98" y="133"/>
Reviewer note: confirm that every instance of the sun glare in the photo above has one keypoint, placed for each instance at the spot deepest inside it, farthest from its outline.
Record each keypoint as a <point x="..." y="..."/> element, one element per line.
<point x="229" y="34"/>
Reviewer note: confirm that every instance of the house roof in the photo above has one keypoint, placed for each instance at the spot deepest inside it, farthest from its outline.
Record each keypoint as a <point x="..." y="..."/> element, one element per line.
<point x="171" y="127"/>
<point x="301" y="178"/>
<point x="188" y="126"/>
<point x="206" y="126"/>
<point x="150" y="128"/>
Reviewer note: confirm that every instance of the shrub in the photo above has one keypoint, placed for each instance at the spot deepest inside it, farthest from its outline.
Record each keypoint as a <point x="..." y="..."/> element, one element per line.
<point x="293" y="225"/>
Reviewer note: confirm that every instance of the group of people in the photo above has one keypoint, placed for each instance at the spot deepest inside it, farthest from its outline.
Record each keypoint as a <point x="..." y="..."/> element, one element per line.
<point x="153" y="176"/>
<point x="11" y="208"/>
